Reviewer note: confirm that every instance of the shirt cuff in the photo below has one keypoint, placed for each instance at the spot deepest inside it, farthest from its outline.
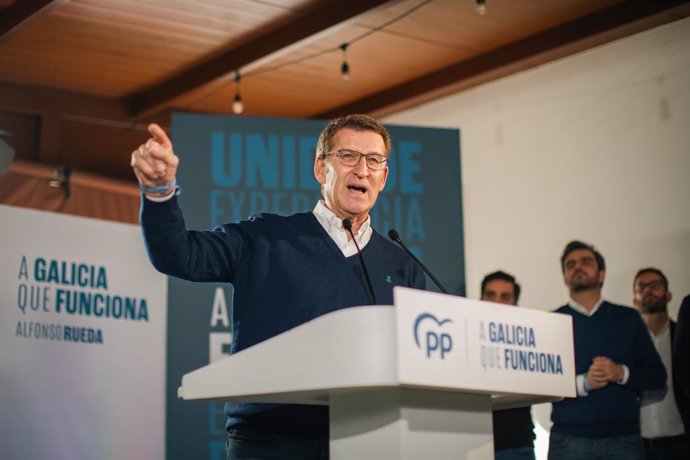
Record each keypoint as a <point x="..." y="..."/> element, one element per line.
<point x="159" y="199"/>
<point x="581" y="385"/>
<point x="626" y="375"/>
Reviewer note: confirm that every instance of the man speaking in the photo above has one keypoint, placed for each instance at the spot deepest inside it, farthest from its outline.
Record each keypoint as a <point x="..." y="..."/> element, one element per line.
<point x="286" y="270"/>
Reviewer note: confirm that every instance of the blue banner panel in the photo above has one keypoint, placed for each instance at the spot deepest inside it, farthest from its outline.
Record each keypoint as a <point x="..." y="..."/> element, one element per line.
<point x="232" y="167"/>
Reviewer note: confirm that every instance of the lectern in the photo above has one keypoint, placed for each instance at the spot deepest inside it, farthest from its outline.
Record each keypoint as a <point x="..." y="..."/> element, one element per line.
<point x="416" y="380"/>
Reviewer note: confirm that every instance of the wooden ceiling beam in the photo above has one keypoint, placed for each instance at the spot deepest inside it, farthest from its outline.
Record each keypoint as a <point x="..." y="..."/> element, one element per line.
<point x="324" y="16"/>
<point x="601" y="27"/>
<point x="20" y="12"/>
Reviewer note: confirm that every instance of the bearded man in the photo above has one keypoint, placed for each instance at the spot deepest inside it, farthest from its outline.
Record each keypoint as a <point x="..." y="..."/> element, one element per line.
<point x="615" y="362"/>
<point x="665" y="418"/>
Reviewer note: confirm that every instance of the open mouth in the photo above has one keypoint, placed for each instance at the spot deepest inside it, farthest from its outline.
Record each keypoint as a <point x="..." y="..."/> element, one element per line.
<point x="357" y="188"/>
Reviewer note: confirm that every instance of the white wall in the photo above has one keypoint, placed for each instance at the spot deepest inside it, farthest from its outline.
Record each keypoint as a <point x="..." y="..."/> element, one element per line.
<point x="593" y="147"/>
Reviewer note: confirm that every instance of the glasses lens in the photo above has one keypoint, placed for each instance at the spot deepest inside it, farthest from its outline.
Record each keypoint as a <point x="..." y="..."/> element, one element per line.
<point x="375" y="161"/>
<point x="349" y="157"/>
<point x="352" y="158"/>
<point x="654" y="285"/>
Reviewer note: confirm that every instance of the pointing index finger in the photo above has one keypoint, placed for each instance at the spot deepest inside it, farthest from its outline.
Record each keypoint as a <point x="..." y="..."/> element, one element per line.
<point x="159" y="136"/>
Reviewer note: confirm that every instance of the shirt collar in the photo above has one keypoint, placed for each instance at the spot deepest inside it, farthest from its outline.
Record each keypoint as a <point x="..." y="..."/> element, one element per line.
<point x="664" y="330"/>
<point x="581" y="309"/>
<point x="333" y="223"/>
<point x="334" y="227"/>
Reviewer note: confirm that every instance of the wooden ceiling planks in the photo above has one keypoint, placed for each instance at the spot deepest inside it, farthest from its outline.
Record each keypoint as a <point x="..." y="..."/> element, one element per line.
<point x="156" y="55"/>
<point x="324" y="16"/>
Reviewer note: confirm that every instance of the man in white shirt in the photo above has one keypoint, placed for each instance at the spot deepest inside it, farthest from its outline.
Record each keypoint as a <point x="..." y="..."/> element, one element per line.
<point x="663" y="418"/>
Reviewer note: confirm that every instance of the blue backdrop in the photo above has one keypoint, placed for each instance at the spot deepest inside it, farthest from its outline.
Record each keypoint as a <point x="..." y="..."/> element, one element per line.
<point x="232" y="167"/>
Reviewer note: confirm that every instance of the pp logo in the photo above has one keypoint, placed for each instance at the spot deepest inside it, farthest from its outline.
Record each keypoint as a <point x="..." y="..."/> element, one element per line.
<point x="435" y="341"/>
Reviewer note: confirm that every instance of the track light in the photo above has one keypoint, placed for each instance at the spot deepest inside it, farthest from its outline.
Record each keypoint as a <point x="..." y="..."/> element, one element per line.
<point x="237" y="105"/>
<point x="481" y="7"/>
<point x="345" y="67"/>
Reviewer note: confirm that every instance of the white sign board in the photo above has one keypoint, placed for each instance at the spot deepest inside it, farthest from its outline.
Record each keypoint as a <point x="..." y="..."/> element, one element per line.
<point x="82" y="334"/>
<point x="448" y="341"/>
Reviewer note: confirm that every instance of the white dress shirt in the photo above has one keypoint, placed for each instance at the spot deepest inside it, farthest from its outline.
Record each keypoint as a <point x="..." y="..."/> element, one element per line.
<point x="334" y="227"/>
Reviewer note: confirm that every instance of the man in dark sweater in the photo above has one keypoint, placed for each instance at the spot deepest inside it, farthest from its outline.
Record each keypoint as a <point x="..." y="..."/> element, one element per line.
<point x="513" y="428"/>
<point x="285" y="270"/>
<point x="665" y="417"/>
<point x="615" y="362"/>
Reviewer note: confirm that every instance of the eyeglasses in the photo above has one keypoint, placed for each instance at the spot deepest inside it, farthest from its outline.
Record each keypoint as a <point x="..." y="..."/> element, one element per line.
<point x="653" y="285"/>
<point x="352" y="158"/>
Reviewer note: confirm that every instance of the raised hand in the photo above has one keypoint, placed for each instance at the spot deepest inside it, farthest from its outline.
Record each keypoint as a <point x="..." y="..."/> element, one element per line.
<point x="154" y="162"/>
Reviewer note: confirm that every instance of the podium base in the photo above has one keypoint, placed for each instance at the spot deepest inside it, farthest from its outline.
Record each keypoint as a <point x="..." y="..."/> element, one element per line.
<point x="409" y="424"/>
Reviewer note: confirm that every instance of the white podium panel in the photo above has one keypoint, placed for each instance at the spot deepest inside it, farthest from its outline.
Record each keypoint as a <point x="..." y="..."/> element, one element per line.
<point x="347" y="349"/>
<point x="456" y="343"/>
<point x="414" y="380"/>
<point x="408" y="424"/>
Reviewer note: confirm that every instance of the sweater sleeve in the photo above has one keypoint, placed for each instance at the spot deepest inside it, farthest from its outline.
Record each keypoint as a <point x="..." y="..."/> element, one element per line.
<point x="647" y="372"/>
<point x="190" y="255"/>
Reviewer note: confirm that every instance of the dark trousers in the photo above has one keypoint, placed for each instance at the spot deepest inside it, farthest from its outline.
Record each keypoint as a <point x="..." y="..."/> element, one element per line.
<point x="516" y="453"/>
<point x="564" y="447"/>
<point x="246" y="445"/>
<point x="671" y="448"/>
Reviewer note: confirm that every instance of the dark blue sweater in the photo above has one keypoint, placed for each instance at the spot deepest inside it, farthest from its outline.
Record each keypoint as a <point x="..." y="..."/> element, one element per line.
<point x="285" y="272"/>
<point x="618" y="333"/>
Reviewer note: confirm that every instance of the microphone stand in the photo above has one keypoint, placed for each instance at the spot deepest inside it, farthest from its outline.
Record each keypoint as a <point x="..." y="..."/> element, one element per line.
<point x="348" y="226"/>
<point x="395" y="236"/>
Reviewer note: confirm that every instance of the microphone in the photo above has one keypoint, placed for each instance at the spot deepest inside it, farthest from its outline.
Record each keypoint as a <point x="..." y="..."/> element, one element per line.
<point x="395" y="236"/>
<point x="348" y="226"/>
